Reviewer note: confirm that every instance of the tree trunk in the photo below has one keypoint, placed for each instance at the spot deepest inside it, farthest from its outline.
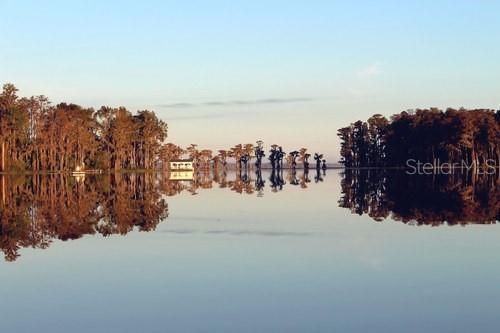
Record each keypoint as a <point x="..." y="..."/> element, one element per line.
<point x="3" y="156"/>
<point x="3" y="189"/>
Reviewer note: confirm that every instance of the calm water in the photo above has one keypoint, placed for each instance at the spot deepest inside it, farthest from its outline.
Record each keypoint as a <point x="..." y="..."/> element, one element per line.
<point x="344" y="253"/>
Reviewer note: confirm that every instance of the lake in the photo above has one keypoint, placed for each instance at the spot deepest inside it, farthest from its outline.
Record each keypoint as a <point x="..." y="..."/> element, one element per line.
<point x="330" y="252"/>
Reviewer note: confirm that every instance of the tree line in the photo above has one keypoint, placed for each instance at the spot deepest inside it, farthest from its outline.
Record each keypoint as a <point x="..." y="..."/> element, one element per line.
<point x="38" y="136"/>
<point x="243" y="156"/>
<point x="471" y="137"/>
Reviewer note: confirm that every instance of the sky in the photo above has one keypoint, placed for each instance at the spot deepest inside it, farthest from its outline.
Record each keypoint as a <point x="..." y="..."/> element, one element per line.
<point x="228" y="72"/>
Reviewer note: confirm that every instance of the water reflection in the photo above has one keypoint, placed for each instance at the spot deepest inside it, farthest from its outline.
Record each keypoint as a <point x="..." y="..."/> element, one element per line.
<point x="35" y="210"/>
<point x="460" y="198"/>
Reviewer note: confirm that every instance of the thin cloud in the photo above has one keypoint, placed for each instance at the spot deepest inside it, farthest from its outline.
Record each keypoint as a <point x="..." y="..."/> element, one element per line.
<point x="213" y="103"/>
<point x="177" y="105"/>
<point x="263" y="101"/>
<point x="369" y="71"/>
<point x="199" y="116"/>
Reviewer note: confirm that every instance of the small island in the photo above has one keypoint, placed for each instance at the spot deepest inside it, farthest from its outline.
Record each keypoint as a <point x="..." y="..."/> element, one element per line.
<point x="460" y="138"/>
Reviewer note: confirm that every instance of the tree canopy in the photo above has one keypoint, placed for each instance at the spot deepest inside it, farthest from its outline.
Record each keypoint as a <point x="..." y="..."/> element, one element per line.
<point x="451" y="136"/>
<point x="38" y="136"/>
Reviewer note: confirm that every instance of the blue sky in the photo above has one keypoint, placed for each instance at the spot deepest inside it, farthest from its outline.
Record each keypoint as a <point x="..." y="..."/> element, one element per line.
<point x="224" y="72"/>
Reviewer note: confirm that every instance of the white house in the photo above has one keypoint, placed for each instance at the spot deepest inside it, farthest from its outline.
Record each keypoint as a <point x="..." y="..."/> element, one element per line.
<point x="181" y="165"/>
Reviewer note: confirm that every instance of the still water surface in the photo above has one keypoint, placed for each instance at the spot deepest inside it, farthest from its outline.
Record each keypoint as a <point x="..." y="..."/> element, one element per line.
<point x="202" y="257"/>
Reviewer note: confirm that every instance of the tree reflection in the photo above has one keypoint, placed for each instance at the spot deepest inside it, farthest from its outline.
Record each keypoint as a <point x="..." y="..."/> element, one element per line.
<point x="35" y="210"/>
<point x="460" y="198"/>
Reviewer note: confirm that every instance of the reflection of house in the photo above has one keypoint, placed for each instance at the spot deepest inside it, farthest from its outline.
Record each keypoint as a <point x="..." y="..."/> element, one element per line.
<point x="181" y="175"/>
<point x="81" y="171"/>
<point x="181" y="165"/>
<point x="181" y="170"/>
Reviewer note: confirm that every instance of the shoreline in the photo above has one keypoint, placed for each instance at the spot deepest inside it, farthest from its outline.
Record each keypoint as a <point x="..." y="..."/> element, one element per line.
<point x="125" y="171"/>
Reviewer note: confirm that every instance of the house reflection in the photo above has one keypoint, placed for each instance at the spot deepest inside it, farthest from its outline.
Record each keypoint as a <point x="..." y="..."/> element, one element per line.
<point x="181" y="170"/>
<point x="181" y="175"/>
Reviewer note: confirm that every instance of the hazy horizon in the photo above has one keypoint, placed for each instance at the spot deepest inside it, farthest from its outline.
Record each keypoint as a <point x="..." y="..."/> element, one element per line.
<point x="282" y="72"/>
